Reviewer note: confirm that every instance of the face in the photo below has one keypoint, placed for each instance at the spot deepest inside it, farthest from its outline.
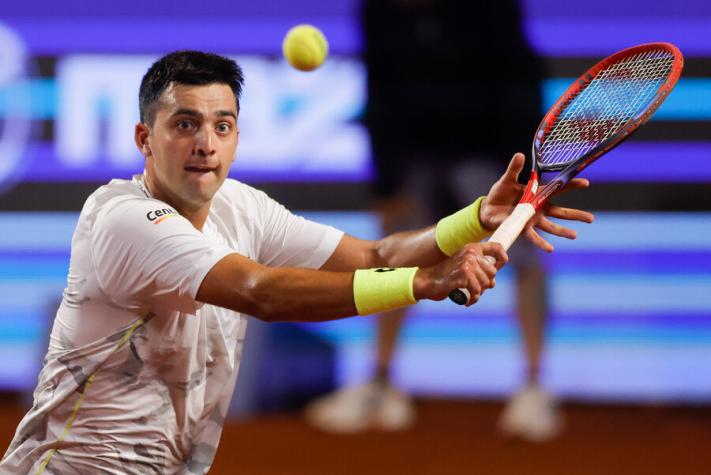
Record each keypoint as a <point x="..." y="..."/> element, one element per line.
<point x="191" y="144"/>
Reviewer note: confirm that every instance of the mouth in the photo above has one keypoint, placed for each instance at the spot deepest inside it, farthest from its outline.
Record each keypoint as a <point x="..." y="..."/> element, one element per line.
<point x="199" y="169"/>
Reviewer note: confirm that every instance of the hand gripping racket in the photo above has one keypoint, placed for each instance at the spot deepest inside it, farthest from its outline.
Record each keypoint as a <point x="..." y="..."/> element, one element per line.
<point x="600" y="110"/>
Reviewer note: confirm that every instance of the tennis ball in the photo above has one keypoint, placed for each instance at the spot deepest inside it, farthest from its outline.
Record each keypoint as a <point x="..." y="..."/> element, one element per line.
<point x="305" y="47"/>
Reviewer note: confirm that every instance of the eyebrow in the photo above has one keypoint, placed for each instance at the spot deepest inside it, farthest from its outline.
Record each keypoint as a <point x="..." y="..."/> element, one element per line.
<point x="194" y="113"/>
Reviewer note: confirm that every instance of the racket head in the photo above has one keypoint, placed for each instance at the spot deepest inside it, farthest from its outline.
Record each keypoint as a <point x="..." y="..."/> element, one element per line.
<point x="605" y="105"/>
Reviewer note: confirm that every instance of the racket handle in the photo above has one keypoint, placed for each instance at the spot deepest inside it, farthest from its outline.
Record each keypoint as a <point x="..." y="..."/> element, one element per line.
<point x="505" y="235"/>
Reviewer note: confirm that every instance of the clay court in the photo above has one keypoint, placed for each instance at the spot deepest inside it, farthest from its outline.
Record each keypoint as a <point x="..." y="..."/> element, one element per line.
<point x="456" y="437"/>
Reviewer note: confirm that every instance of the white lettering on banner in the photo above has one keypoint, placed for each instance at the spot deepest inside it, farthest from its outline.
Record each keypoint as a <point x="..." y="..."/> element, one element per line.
<point x="16" y="125"/>
<point x="83" y="129"/>
<point x="289" y="121"/>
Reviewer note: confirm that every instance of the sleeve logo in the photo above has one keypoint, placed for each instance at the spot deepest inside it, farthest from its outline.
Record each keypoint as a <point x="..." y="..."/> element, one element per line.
<point x="159" y="215"/>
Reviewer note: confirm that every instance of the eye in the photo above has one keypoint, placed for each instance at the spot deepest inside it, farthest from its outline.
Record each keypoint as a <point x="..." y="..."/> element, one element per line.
<point x="185" y="125"/>
<point x="224" y="127"/>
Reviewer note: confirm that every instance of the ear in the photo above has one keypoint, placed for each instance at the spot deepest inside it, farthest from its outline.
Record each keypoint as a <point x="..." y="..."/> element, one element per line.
<point x="142" y="138"/>
<point x="234" y="155"/>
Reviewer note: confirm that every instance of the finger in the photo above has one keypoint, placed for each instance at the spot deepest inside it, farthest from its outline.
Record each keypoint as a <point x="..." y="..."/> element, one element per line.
<point x="469" y="279"/>
<point x="548" y="226"/>
<point x="515" y="167"/>
<point x="537" y="240"/>
<point x="483" y="279"/>
<point x="474" y="288"/>
<point x="488" y="268"/>
<point x="575" y="184"/>
<point x="495" y="250"/>
<point x="569" y="214"/>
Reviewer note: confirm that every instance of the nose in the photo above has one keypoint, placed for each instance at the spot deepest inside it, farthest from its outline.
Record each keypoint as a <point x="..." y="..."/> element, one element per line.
<point x="204" y="142"/>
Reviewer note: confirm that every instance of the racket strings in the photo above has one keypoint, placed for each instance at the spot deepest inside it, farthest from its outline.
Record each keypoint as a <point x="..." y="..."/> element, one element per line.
<point x="609" y="101"/>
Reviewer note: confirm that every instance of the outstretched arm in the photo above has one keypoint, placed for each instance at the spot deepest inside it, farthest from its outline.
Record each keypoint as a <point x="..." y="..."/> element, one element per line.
<point x="289" y="294"/>
<point x="280" y="293"/>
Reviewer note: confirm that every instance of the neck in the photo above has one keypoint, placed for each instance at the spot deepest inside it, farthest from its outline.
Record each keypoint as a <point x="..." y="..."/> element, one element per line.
<point x="197" y="215"/>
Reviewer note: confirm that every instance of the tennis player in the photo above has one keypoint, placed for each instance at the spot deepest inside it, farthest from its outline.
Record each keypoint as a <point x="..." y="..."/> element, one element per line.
<point x="145" y="348"/>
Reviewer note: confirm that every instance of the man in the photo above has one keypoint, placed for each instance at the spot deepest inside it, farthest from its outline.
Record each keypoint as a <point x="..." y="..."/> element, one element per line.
<point x="146" y="344"/>
<point x="452" y="87"/>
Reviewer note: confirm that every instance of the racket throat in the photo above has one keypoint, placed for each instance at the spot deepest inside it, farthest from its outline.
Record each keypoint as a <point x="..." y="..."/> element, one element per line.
<point x="548" y="190"/>
<point x="531" y="188"/>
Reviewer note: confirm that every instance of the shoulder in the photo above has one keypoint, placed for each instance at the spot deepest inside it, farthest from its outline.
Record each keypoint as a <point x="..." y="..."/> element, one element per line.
<point x="241" y="198"/>
<point x="235" y="190"/>
<point x="124" y="201"/>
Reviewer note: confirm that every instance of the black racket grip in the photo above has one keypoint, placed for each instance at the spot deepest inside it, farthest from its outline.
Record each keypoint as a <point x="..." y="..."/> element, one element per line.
<point x="459" y="296"/>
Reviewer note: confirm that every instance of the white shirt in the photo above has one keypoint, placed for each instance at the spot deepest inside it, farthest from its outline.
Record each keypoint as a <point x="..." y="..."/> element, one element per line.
<point x="138" y="375"/>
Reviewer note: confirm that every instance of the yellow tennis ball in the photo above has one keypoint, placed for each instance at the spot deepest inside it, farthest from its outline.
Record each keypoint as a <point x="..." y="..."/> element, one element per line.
<point x="305" y="47"/>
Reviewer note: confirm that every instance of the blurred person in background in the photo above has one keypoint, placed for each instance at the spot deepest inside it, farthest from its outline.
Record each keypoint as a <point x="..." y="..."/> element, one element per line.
<point x="452" y="87"/>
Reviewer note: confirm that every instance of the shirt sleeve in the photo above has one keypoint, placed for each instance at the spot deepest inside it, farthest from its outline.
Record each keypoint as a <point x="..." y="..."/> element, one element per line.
<point x="293" y="241"/>
<point x="146" y="254"/>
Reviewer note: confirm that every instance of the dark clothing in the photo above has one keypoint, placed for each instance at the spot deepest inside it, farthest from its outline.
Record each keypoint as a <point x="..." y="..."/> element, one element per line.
<point x="446" y="79"/>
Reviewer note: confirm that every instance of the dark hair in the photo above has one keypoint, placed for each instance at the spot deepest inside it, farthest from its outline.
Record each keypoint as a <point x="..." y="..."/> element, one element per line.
<point x="190" y="68"/>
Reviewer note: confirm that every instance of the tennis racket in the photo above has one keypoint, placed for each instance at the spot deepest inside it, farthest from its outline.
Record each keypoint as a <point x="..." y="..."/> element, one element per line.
<point x="597" y="112"/>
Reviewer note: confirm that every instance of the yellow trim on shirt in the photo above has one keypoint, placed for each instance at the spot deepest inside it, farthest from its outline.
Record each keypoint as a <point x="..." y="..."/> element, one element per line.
<point x="87" y="383"/>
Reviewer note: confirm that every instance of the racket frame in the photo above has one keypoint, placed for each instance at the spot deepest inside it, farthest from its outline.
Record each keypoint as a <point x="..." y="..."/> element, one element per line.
<point x="570" y="169"/>
<point x="535" y="196"/>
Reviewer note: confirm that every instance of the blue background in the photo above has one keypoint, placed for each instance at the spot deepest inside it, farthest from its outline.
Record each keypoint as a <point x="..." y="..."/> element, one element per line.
<point x="631" y="311"/>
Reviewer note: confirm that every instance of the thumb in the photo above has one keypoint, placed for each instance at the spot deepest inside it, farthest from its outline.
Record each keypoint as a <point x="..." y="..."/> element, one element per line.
<point x="515" y="167"/>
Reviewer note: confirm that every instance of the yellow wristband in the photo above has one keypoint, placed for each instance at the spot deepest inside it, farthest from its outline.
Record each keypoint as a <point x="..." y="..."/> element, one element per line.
<point x="380" y="290"/>
<point x="460" y="228"/>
